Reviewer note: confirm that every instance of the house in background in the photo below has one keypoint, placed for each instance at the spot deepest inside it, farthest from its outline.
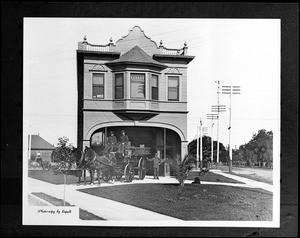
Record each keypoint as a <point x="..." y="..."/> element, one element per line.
<point x="39" y="145"/>
<point x="135" y="85"/>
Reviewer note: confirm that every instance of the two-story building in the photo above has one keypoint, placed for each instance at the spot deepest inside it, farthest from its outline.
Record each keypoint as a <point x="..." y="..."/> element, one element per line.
<point x="135" y="85"/>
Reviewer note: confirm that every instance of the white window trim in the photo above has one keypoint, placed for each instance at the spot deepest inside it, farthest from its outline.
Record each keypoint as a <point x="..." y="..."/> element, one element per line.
<point x="167" y="88"/>
<point x="158" y="80"/>
<point x="144" y="73"/>
<point x="104" y="87"/>
<point x="114" y="86"/>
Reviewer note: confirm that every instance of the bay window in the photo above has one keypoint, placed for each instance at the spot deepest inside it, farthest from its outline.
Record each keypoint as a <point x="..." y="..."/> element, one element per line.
<point x="137" y="85"/>
<point x="119" y="86"/>
<point x="154" y="87"/>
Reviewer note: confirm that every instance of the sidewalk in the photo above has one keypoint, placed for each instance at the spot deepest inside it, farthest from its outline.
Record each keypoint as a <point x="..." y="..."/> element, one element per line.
<point x="105" y="208"/>
<point x="248" y="182"/>
<point x="116" y="211"/>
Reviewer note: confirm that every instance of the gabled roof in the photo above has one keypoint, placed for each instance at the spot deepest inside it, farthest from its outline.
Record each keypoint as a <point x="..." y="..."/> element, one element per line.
<point x="39" y="143"/>
<point x="136" y="56"/>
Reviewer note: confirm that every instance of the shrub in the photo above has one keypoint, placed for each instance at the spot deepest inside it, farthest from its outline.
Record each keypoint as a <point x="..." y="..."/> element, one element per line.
<point x="182" y="168"/>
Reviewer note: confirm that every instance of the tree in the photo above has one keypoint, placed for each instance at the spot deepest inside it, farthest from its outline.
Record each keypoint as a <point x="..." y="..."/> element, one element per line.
<point x="206" y="149"/>
<point x="63" y="154"/>
<point x="182" y="167"/>
<point x="258" y="150"/>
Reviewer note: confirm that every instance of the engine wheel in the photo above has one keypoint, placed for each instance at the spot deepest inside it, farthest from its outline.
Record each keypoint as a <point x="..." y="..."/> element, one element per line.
<point x="142" y="168"/>
<point x="128" y="173"/>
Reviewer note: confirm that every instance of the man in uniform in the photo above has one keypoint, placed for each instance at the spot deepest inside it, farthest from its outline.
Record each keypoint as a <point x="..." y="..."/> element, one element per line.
<point x="111" y="142"/>
<point x="123" y="141"/>
<point x="156" y="162"/>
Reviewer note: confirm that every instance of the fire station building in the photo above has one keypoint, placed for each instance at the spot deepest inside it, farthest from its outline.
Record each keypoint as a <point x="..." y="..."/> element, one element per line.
<point x="133" y="85"/>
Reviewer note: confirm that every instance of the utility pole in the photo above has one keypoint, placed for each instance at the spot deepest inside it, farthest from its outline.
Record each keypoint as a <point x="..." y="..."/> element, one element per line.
<point x="218" y="108"/>
<point x="29" y="143"/>
<point x="230" y="90"/>
<point x="199" y="129"/>
<point x="212" y="117"/>
<point x="201" y="152"/>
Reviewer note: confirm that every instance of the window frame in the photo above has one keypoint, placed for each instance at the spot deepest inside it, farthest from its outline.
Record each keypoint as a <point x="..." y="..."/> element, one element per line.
<point x="178" y="89"/>
<point x="157" y="87"/>
<point x="115" y="86"/>
<point x="98" y="85"/>
<point x="130" y="83"/>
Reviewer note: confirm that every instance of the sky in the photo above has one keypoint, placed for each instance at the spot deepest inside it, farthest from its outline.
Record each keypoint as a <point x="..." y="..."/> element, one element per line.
<point x="235" y="52"/>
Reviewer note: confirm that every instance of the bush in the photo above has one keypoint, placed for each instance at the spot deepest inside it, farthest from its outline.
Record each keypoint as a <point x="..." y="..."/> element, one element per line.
<point x="33" y="164"/>
<point x="182" y="168"/>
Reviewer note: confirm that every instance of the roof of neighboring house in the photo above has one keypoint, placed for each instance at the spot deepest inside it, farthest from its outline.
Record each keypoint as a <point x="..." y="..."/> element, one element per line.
<point x="136" y="56"/>
<point x="39" y="143"/>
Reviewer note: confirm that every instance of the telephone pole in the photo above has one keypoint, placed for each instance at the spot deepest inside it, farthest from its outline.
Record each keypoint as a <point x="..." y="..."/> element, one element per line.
<point x="212" y="117"/>
<point x="230" y="90"/>
<point x="199" y="162"/>
<point x="218" y="108"/>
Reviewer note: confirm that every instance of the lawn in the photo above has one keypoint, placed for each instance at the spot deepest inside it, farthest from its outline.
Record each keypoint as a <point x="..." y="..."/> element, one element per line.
<point x="255" y="177"/>
<point x="83" y="214"/>
<point x="193" y="202"/>
<point x="53" y="178"/>
<point x="211" y="177"/>
<point x="50" y="177"/>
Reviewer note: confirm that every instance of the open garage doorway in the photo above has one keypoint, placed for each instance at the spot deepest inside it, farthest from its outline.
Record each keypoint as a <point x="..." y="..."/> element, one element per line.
<point x="167" y="142"/>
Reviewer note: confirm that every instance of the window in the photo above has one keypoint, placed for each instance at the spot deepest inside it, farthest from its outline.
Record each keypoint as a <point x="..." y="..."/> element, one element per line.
<point x="98" y="85"/>
<point x="154" y="87"/>
<point x="173" y="88"/>
<point x="119" y="86"/>
<point x="137" y="85"/>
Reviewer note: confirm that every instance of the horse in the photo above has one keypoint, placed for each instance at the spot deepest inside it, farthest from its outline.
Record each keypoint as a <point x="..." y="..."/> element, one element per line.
<point x="100" y="163"/>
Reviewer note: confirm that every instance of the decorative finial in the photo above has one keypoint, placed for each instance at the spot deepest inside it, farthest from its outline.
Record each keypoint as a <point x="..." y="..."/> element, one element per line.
<point x="84" y="39"/>
<point x="160" y="43"/>
<point x="110" y="40"/>
<point x="185" y="44"/>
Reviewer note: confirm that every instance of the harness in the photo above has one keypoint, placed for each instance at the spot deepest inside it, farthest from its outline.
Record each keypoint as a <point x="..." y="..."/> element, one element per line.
<point x="95" y="159"/>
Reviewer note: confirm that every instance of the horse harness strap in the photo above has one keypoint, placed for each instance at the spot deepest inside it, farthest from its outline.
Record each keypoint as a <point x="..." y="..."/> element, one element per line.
<point x="95" y="159"/>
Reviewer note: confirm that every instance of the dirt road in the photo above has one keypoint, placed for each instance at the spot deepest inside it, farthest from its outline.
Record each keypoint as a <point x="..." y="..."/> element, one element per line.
<point x="261" y="174"/>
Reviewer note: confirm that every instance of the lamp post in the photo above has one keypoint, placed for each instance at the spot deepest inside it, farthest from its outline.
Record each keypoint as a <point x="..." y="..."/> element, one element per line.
<point x="212" y="117"/>
<point x="230" y="90"/>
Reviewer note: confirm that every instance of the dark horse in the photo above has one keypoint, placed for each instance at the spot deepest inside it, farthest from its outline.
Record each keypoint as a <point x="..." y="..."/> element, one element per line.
<point x="104" y="164"/>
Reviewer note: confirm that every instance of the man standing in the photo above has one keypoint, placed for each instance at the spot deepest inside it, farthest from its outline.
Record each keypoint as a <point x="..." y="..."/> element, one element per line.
<point x="156" y="162"/>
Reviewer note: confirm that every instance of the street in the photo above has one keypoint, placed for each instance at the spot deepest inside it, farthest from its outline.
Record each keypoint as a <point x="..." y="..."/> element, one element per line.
<point x="253" y="172"/>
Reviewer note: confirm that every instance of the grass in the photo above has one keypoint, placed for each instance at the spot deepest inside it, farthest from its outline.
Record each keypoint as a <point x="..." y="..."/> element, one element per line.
<point x="254" y="177"/>
<point x="211" y="177"/>
<point x="50" y="177"/>
<point x="53" y="178"/>
<point x="193" y="202"/>
<point x="83" y="214"/>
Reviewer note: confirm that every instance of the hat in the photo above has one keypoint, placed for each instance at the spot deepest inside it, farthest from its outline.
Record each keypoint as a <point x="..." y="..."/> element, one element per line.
<point x="122" y="130"/>
<point x="111" y="132"/>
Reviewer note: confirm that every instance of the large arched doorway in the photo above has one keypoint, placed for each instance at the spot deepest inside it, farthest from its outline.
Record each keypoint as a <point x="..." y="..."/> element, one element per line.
<point x="165" y="141"/>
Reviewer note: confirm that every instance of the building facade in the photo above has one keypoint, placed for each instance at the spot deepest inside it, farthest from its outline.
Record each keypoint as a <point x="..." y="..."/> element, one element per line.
<point x="133" y="85"/>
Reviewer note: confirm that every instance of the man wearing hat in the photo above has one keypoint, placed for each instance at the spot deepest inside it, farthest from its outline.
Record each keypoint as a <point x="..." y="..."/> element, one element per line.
<point x="111" y="142"/>
<point x="123" y="140"/>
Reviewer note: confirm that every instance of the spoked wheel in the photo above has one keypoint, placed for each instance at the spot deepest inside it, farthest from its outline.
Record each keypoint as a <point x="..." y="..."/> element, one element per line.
<point x="119" y="176"/>
<point x="129" y="173"/>
<point x="142" y="168"/>
<point x="106" y="176"/>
